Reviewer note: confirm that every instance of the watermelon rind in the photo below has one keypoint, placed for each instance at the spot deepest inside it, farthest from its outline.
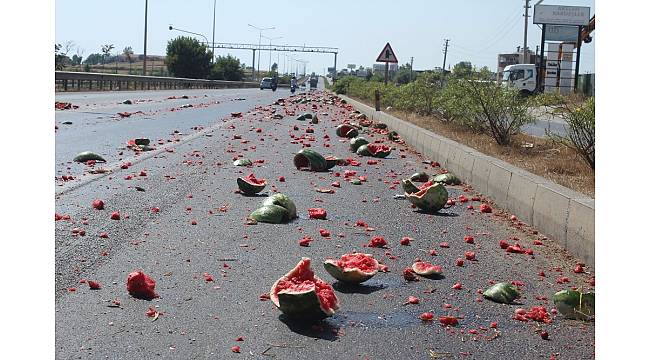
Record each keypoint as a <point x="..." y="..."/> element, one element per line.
<point x="430" y="199"/>
<point x="502" y="292"/>
<point x="575" y="304"/>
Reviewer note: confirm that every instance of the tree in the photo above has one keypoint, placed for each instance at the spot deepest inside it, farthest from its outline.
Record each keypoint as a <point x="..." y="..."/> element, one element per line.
<point x="61" y="58"/>
<point x="93" y="59"/>
<point x="187" y="57"/>
<point x="128" y="53"/>
<point x="227" y="68"/>
<point x="76" y="60"/>
<point x="462" y="70"/>
<point x="403" y="75"/>
<point x="106" y="50"/>
<point x="274" y="68"/>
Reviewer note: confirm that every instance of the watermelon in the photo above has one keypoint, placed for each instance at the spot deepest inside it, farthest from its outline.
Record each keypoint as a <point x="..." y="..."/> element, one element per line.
<point x="575" y="304"/>
<point x="376" y="150"/>
<point x="307" y="159"/>
<point x="332" y="161"/>
<point x="352" y="268"/>
<point x="88" y="155"/>
<point x="250" y="185"/>
<point x="346" y="130"/>
<point x="300" y="294"/>
<point x="276" y="209"/>
<point x="141" y="286"/>
<point x="409" y="187"/>
<point x="448" y="178"/>
<point x="273" y="214"/>
<point x="356" y="142"/>
<point x="420" y="177"/>
<point x="431" y="198"/>
<point x="283" y="201"/>
<point x="242" y="162"/>
<point x="502" y="292"/>
<point x="424" y="268"/>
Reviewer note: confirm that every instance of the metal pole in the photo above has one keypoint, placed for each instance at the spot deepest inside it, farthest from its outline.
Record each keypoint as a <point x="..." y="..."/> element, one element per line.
<point x="386" y="74"/>
<point x="259" y="45"/>
<point x="214" y="19"/>
<point x="411" y="72"/>
<point x="575" y="81"/>
<point x="254" y="78"/>
<point x="526" y="7"/>
<point x="144" y="63"/>
<point x="444" y="60"/>
<point x="542" y="64"/>
<point x="335" y="72"/>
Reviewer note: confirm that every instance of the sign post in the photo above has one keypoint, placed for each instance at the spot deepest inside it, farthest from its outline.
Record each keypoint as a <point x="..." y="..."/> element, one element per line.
<point x="387" y="55"/>
<point x="562" y="23"/>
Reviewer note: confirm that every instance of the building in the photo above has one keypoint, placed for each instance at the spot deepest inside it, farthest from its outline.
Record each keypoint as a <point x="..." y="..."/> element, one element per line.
<point x="380" y="68"/>
<point x="504" y="60"/>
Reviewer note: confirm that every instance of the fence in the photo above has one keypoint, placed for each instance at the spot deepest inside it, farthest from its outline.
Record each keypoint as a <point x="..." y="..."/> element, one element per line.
<point x="83" y="81"/>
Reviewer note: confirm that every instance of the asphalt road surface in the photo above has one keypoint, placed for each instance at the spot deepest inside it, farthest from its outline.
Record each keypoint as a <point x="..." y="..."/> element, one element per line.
<point x="544" y="123"/>
<point x="190" y="178"/>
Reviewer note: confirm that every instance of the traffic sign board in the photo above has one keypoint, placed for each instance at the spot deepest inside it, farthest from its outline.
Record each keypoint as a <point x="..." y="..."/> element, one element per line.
<point x="387" y="55"/>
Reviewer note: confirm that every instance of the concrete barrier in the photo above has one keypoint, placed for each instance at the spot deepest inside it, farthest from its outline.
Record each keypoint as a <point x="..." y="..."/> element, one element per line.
<point x="564" y="215"/>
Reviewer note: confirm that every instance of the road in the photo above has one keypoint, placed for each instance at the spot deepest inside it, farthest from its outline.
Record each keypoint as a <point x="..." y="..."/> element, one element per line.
<point x="543" y="123"/>
<point x="195" y="182"/>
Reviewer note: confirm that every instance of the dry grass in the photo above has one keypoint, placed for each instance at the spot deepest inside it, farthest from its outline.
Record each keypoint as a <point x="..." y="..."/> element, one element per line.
<point x="555" y="162"/>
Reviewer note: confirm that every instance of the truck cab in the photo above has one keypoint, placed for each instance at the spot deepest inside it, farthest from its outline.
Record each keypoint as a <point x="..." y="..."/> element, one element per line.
<point x="522" y="77"/>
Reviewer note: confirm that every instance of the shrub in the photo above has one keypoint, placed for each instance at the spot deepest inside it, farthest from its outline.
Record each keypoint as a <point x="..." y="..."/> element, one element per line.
<point x="500" y="110"/>
<point x="580" y="129"/>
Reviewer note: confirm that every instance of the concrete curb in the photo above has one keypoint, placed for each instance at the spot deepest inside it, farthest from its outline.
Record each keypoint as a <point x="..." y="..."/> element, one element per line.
<point x="561" y="213"/>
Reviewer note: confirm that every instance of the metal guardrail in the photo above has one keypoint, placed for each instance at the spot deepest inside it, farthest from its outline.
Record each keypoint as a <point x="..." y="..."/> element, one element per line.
<point x="84" y="81"/>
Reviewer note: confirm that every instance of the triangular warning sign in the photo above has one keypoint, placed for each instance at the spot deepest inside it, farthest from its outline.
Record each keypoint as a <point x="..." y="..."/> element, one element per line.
<point x="387" y="55"/>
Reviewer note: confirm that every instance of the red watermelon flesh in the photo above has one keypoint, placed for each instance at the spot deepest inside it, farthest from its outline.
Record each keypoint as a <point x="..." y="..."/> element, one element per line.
<point x="300" y="280"/>
<point x="426" y="269"/>
<point x="377" y="148"/>
<point x="352" y="268"/>
<point x="251" y="179"/>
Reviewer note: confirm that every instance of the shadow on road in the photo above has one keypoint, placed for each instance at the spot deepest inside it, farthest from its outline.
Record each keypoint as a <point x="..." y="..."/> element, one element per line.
<point x="441" y="214"/>
<point x="317" y="329"/>
<point x="357" y="288"/>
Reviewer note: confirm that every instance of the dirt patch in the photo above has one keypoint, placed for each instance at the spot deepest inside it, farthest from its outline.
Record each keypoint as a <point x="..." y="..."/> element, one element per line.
<point x="555" y="162"/>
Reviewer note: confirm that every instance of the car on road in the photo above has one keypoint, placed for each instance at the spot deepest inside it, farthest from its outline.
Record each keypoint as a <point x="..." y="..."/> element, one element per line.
<point x="265" y="83"/>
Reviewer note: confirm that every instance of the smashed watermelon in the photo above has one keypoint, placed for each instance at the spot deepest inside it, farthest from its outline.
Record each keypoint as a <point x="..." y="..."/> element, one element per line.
<point x="250" y="185"/>
<point x="352" y="268"/>
<point x="431" y="199"/>
<point x="141" y="286"/>
<point x="300" y="294"/>
<point x="424" y="268"/>
<point x="376" y="150"/>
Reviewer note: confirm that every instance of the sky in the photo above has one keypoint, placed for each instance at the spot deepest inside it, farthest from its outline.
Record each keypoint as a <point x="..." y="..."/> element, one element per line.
<point x="477" y="30"/>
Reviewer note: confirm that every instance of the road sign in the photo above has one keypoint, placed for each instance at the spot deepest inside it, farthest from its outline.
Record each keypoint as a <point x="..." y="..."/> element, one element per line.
<point x="387" y="55"/>
<point x="561" y="33"/>
<point x="561" y="15"/>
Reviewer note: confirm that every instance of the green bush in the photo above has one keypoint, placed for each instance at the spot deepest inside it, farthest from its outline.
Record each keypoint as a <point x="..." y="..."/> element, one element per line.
<point x="499" y="110"/>
<point x="580" y="129"/>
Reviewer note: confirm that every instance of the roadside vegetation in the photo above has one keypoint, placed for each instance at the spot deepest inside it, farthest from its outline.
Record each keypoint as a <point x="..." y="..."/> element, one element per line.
<point x="468" y="107"/>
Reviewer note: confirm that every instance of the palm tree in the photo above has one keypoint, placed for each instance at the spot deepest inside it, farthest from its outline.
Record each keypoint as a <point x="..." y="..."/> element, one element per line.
<point x="106" y="49"/>
<point x="128" y="53"/>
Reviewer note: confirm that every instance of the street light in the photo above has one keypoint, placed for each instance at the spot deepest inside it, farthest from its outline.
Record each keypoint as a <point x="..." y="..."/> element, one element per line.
<point x="270" y="51"/>
<point x="260" y="44"/>
<point x="189" y="32"/>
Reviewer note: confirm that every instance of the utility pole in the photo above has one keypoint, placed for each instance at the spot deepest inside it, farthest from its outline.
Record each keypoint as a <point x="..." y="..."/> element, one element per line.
<point x="144" y="62"/>
<point x="526" y="7"/>
<point x="411" y="72"/>
<point x="214" y="19"/>
<point x="444" y="61"/>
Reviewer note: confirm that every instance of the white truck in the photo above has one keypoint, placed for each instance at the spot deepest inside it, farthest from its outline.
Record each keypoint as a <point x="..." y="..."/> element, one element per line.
<point x="522" y="77"/>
